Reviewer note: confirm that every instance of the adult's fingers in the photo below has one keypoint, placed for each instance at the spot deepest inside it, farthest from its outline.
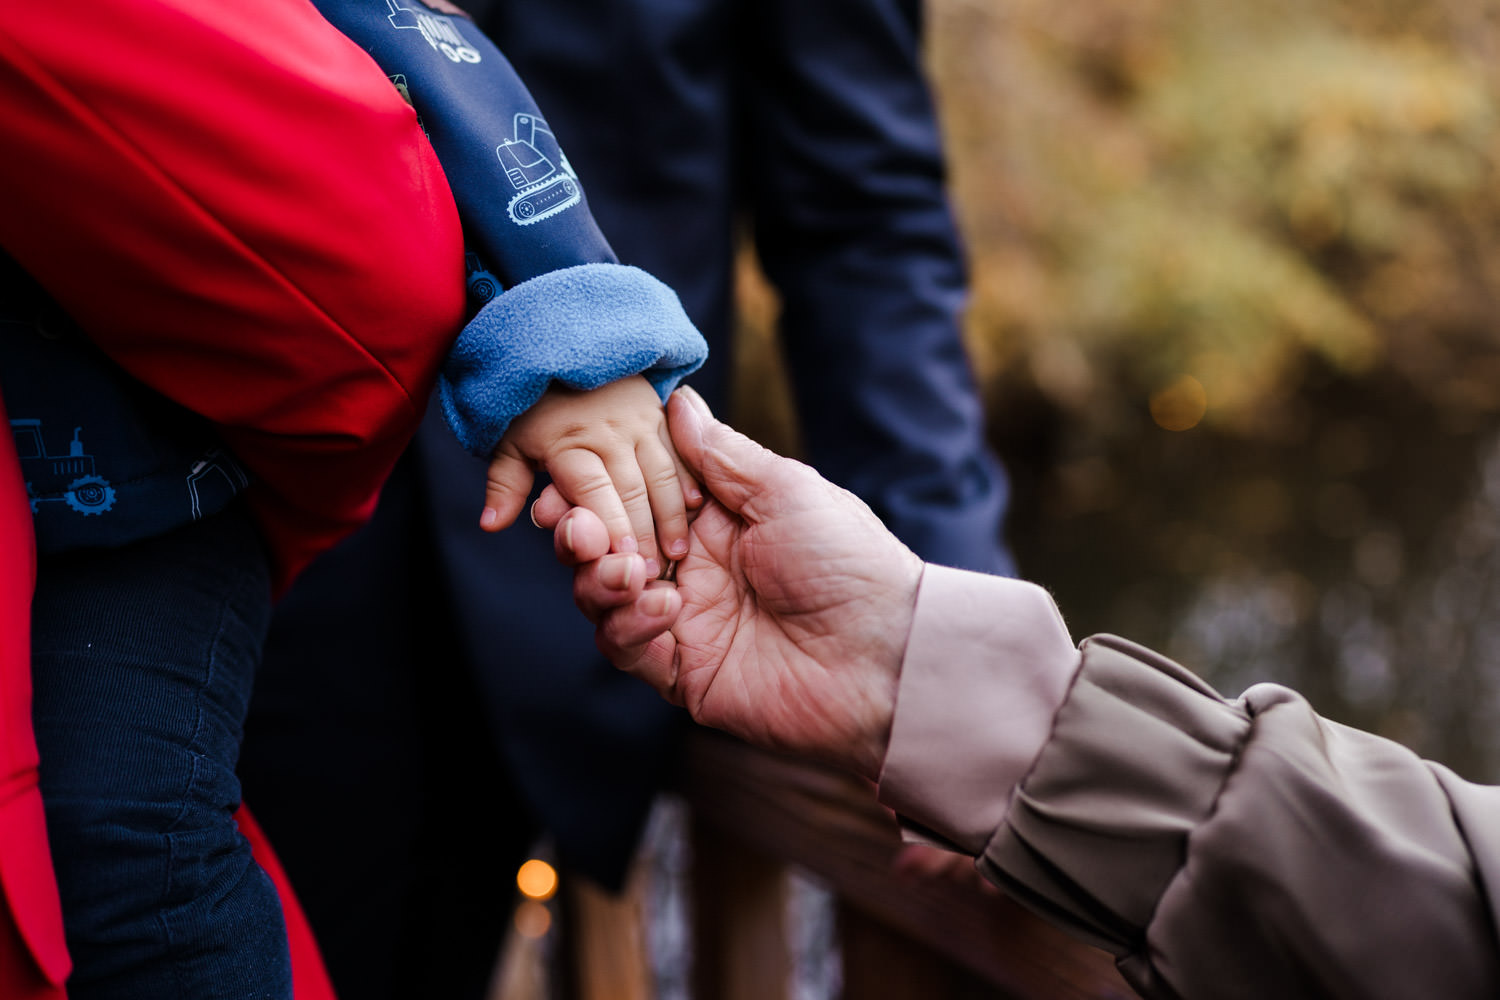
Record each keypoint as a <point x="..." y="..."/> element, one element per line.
<point x="692" y="493"/>
<point x="733" y="468"/>
<point x="609" y="582"/>
<point x="549" y="508"/>
<point x="632" y="615"/>
<point x="578" y="536"/>
<point x="637" y="637"/>
<point x="602" y="580"/>
<point x="507" y="483"/>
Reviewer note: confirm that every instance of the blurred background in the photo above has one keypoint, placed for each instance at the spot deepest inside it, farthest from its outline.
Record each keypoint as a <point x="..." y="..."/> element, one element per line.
<point x="1235" y="270"/>
<point x="1236" y="313"/>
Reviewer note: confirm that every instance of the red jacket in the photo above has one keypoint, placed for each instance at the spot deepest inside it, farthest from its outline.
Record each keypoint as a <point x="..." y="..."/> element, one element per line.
<point x="243" y="213"/>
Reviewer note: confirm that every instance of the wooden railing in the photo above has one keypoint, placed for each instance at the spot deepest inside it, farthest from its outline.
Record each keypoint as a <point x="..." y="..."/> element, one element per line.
<point x="755" y="816"/>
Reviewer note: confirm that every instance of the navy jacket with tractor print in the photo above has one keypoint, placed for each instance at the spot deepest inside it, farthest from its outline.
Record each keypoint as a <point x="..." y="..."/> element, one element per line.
<point x="108" y="461"/>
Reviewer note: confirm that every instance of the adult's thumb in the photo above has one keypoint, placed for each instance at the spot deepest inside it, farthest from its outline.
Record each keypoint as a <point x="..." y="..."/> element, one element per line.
<point x="732" y="468"/>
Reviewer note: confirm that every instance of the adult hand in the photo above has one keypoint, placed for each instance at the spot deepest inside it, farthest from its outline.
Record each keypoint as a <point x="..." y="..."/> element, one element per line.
<point x="789" y="615"/>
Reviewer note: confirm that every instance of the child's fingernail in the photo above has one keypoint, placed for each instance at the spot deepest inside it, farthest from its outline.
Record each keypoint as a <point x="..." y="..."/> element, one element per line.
<point x="533" y="515"/>
<point x="568" y="535"/>
<point x="677" y="548"/>
<point x="653" y="568"/>
<point x="489" y="517"/>
<point x="627" y="544"/>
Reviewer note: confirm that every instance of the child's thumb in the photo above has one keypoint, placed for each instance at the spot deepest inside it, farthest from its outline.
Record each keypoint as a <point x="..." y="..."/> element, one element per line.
<point x="507" y="484"/>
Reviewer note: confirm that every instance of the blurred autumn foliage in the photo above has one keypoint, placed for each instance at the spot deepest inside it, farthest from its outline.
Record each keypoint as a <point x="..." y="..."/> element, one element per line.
<point x="1229" y="190"/>
<point x="1236" y="268"/>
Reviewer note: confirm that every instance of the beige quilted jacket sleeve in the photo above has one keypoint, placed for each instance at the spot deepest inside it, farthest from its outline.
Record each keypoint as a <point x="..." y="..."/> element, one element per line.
<point x="1243" y="848"/>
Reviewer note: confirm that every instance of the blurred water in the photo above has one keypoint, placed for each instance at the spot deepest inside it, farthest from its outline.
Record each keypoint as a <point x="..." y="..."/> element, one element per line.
<point x="810" y="925"/>
<point x="1356" y="560"/>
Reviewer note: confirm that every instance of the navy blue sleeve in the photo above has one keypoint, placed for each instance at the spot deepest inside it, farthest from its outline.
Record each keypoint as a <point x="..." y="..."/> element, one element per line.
<point x="522" y="206"/>
<point x="568" y="312"/>
<point x="847" y="183"/>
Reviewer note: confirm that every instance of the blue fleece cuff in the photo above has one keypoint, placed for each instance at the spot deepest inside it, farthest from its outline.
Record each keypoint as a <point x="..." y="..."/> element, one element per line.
<point x="583" y="326"/>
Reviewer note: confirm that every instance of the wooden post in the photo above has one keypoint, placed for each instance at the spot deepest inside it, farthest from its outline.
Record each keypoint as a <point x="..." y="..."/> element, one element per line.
<point x="739" y="920"/>
<point x="880" y="963"/>
<point x="828" y="822"/>
<point x="603" y="940"/>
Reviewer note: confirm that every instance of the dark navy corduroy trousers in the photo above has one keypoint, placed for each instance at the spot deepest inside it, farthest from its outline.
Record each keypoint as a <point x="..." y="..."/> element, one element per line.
<point x="143" y="662"/>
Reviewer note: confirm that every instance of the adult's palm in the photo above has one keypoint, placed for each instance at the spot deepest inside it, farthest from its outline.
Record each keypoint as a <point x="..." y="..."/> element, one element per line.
<point x="790" y="612"/>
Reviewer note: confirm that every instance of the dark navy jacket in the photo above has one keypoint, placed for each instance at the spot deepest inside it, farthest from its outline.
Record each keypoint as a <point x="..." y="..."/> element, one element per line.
<point x="106" y="460"/>
<point x="568" y="311"/>
<point x="812" y="122"/>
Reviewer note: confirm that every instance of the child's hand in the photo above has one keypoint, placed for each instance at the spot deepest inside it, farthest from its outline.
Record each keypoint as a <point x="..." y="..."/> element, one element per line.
<point x="608" y="450"/>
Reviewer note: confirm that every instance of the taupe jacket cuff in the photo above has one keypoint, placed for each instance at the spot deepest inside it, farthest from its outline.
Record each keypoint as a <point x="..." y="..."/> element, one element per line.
<point x="988" y="663"/>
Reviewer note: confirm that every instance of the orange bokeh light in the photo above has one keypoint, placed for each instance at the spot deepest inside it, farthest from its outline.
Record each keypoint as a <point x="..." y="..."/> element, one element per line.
<point x="537" y="880"/>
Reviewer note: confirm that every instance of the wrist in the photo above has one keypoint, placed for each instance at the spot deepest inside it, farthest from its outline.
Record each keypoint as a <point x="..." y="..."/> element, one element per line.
<point x="885" y="669"/>
<point x="987" y="665"/>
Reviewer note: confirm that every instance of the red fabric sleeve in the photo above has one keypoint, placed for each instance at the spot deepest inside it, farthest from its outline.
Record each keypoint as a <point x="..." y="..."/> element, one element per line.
<point x="237" y="206"/>
<point x="33" y="954"/>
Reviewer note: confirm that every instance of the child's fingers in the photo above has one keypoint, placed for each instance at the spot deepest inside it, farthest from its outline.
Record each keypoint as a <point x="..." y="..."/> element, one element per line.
<point x="665" y="492"/>
<point x="581" y="477"/>
<point x="507" y="484"/>
<point x="692" y="490"/>
<point x="692" y="493"/>
<point x="636" y="494"/>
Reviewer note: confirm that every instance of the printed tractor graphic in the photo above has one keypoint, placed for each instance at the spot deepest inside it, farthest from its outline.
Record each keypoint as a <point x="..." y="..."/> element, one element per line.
<point x="70" y="478"/>
<point x="543" y="187"/>
<point x="439" y="30"/>
<point x="482" y="284"/>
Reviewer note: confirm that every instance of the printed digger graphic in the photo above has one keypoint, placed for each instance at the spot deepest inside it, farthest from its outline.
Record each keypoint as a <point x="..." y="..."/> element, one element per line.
<point x="544" y="181"/>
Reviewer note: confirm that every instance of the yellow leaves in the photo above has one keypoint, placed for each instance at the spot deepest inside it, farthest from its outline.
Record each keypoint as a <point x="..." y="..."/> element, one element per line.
<point x="1218" y="190"/>
<point x="1186" y="289"/>
<point x="1316" y="85"/>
